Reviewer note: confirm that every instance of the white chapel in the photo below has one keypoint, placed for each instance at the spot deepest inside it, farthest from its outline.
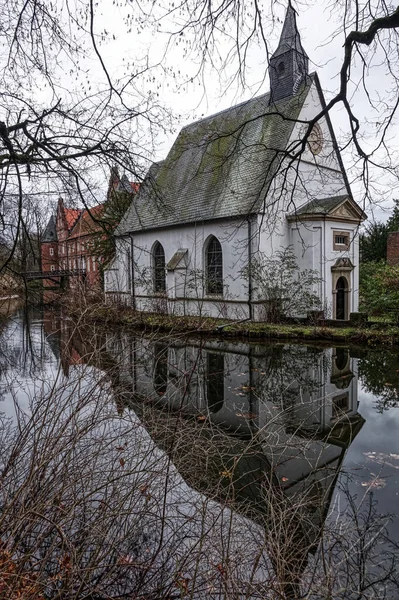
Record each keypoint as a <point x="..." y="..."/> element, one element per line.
<point x="240" y="185"/>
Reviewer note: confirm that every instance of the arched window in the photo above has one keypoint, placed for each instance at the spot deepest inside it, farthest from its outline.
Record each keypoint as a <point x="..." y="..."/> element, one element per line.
<point x="214" y="267"/>
<point x="158" y="256"/>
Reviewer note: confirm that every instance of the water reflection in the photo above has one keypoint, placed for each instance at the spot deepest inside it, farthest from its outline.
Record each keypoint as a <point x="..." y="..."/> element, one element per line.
<point x="263" y="426"/>
<point x="260" y="431"/>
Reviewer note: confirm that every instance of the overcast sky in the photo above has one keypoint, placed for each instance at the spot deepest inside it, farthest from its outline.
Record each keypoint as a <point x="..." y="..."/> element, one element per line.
<point x="131" y="39"/>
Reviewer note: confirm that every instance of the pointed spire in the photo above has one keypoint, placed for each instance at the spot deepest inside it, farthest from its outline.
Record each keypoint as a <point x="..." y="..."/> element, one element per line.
<point x="289" y="63"/>
<point x="290" y="38"/>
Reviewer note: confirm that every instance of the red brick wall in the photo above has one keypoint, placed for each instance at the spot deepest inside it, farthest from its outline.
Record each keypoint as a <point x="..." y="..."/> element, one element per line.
<point x="393" y="248"/>
<point x="49" y="251"/>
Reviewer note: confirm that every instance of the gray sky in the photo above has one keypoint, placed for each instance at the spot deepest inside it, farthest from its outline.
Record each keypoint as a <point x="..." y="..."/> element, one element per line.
<point x="128" y="40"/>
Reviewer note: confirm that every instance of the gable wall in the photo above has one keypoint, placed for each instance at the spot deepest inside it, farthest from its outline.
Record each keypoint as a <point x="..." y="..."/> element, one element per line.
<point x="299" y="182"/>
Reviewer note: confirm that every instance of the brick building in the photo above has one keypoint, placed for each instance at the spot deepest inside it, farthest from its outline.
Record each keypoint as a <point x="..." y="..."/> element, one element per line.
<point x="67" y="245"/>
<point x="393" y="248"/>
<point x="70" y="241"/>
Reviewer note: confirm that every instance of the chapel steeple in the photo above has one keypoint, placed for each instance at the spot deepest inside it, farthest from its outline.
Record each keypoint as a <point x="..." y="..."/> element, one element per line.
<point x="289" y="64"/>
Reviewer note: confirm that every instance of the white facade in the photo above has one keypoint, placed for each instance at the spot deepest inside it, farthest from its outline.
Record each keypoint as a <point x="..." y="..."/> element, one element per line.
<point x="303" y="204"/>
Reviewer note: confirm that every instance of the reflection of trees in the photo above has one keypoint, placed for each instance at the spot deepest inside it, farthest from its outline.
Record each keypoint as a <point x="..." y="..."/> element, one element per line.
<point x="101" y="510"/>
<point x="160" y="368"/>
<point x="379" y="374"/>
<point x="287" y="377"/>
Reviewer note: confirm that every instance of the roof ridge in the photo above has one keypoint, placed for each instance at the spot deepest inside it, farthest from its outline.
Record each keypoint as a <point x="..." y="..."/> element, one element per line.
<point x="245" y="102"/>
<point x="221" y="112"/>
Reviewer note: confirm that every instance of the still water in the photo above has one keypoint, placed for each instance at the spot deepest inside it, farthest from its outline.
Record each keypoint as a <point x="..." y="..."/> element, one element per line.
<point x="163" y="467"/>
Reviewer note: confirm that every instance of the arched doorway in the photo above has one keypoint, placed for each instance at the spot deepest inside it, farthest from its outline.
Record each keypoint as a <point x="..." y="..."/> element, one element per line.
<point x="341" y="299"/>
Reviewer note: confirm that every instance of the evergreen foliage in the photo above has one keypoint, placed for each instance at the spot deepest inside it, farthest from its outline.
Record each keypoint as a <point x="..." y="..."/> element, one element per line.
<point x="379" y="288"/>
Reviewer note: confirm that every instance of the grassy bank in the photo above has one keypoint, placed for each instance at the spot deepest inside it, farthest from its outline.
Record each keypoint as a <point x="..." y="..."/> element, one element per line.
<point x="372" y="335"/>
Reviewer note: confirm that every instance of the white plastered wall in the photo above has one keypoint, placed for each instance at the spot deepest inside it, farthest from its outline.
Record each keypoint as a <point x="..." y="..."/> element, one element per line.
<point x="117" y="275"/>
<point x="186" y="283"/>
<point x="299" y="182"/>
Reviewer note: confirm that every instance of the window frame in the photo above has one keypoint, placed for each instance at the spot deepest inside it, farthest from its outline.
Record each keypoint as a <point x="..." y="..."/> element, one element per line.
<point x="159" y="268"/>
<point x="214" y="284"/>
<point x="345" y="235"/>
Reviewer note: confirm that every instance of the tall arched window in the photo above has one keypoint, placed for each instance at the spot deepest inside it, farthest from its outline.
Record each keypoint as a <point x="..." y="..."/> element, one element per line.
<point x="214" y="267"/>
<point x="159" y="268"/>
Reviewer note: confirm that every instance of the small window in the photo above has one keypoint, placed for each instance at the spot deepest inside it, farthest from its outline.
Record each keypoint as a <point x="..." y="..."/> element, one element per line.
<point x="280" y="68"/>
<point x="341" y="240"/>
<point x="214" y="267"/>
<point x="51" y="251"/>
<point x="52" y="268"/>
<point x="159" y="268"/>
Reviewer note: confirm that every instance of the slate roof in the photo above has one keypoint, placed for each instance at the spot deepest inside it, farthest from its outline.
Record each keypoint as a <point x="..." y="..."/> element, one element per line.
<point x="219" y="167"/>
<point x="325" y="206"/>
<point x="290" y="38"/>
<point x="176" y="259"/>
<point x="322" y="206"/>
<point x="50" y="233"/>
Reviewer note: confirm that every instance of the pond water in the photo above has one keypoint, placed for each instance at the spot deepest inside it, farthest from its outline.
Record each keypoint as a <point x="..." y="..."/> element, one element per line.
<point x="156" y="466"/>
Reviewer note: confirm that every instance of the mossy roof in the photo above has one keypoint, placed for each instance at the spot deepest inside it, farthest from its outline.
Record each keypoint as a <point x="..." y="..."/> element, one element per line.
<point x="325" y="206"/>
<point x="219" y="167"/>
<point x="321" y="206"/>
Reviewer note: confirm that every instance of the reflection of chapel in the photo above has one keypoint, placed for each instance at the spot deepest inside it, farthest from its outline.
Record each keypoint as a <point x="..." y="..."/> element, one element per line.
<point x="232" y="189"/>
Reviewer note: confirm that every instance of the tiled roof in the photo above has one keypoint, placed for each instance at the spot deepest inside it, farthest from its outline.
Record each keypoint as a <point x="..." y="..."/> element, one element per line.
<point x="86" y="224"/>
<point x="71" y="216"/>
<point x="322" y="206"/>
<point x="219" y="167"/>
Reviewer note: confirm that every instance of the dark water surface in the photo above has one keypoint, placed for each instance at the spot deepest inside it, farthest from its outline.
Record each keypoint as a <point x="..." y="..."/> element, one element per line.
<point x="161" y="467"/>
